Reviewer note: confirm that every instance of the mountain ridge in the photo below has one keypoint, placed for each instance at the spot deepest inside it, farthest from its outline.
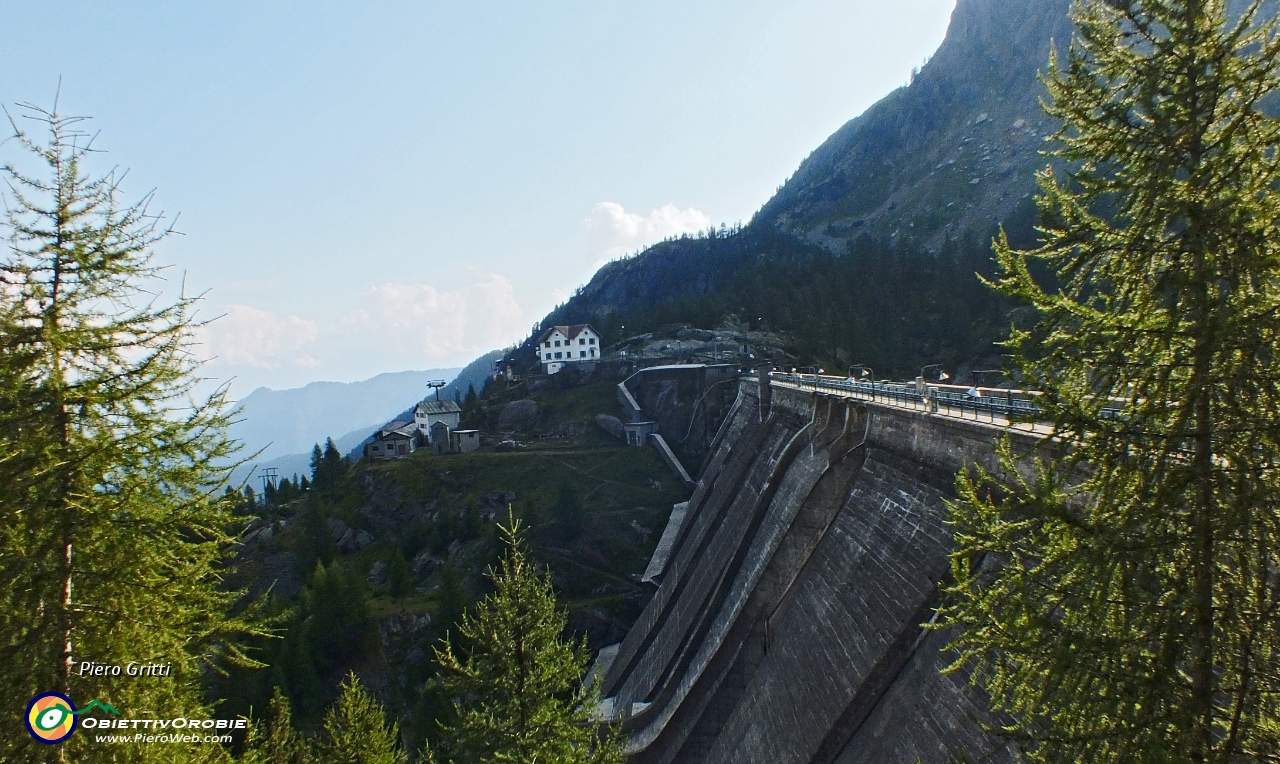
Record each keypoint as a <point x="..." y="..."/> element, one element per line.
<point x="868" y="252"/>
<point x="288" y="421"/>
<point x="916" y="146"/>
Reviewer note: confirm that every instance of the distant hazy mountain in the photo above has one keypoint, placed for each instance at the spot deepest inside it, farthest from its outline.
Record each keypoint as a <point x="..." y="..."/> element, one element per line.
<point x="475" y="374"/>
<point x="286" y="422"/>
<point x="295" y="420"/>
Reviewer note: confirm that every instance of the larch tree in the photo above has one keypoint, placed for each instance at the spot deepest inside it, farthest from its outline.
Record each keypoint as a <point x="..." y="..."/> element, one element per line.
<point x="113" y="524"/>
<point x="1119" y="595"/>
<point x="356" y="729"/>
<point x="516" y="684"/>
<point x="280" y="743"/>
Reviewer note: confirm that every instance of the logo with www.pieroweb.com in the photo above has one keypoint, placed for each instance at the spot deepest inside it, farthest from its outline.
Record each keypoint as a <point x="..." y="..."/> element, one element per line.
<point x="52" y="717"/>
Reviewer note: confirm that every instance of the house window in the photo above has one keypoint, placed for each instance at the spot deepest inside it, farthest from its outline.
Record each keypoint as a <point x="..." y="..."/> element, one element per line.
<point x="547" y="344"/>
<point x="582" y="342"/>
<point x="591" y="341"/>
<point x="557" y="343"/>
<point x="582" y="354"/>
<point x="548" y="356"/>
<point x="593" y="352"/>
<point x="557" y="355"/>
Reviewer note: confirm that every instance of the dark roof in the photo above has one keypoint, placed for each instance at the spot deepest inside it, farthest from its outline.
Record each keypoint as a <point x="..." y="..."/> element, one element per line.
<point x="570" y="331"/>
<point x="403" y="429"/>
<point x="438" y="407"/>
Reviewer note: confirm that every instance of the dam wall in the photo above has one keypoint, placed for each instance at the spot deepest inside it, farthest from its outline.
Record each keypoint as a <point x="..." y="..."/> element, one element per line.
<point x="787" y="622"/>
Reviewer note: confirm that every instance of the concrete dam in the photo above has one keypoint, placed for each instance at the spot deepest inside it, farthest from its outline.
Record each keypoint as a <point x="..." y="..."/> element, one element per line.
<point x="793" y="590"/>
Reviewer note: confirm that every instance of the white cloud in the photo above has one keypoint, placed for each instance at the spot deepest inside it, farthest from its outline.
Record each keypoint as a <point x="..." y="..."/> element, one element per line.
<point x="560" y="295"/>
<point x="435" y="324"/>
<point x="258" y="339"/>
<point x="614" y="231"/>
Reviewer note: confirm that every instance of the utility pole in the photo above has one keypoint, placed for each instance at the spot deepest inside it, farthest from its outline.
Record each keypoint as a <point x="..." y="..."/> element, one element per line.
<point x="435" y="385"/>
<point x="269" y="476"/>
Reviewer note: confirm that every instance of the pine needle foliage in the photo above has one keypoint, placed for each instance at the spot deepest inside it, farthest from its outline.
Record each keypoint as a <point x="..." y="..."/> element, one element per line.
<point x="1119" y="595"/>
<point x="281" y="744"/>
<point x="356" y="730"/>
<point x="112" y="521"/>
<point x="517" y="691"/>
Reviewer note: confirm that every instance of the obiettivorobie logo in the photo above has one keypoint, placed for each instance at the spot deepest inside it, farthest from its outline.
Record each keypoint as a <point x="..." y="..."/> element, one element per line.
<point x="51" y="716"/>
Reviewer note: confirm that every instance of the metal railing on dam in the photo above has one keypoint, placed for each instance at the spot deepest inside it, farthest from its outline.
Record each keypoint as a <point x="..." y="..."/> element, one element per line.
<point x="999" y="406"/>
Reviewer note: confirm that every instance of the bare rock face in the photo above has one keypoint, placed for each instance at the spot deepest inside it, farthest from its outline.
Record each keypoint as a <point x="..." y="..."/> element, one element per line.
<point x="378" y="573"/>
<point x="973" y="109"/>
<point x="424" y="564"/>
<point x="568" y="429"/>
<point x="518" y="415"/>
<point x="610" y="424"/>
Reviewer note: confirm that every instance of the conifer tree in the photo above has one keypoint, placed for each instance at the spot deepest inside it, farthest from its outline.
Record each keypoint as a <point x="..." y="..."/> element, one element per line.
<point x="1119" y="597"/>
<point x="399" y="576"/>
<point x="337" y="614"/>
<point x="326" y="468"/>
<point x="317" y="458"/>
<point x="517" y="689"/>
<point x="113" y="522"/>
<point x="281" y="744"/>
<point x="356" y="730"/>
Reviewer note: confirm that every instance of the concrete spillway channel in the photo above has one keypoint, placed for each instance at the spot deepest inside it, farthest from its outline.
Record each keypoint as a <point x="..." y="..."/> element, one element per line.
<point x="786" y="626"/>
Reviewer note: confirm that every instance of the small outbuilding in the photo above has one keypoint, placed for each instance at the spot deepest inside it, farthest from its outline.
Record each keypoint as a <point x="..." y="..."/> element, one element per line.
<point x="637" y="433"/>
<point x="438" y="437"/>
<point x="464" y="441"/>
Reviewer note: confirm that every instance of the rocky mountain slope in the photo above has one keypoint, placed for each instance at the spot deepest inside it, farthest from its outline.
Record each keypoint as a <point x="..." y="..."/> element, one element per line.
<point x="867" y="254"/>
<point x="953" y="151"/>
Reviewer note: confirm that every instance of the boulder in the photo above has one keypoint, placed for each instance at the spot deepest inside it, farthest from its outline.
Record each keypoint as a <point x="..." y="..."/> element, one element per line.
<point x="337" y="528"/>
<point x="378" y="573"/>
<point x="424" y="564"/>
<point x="518" y="415"/>
<point x="610" y="424"/>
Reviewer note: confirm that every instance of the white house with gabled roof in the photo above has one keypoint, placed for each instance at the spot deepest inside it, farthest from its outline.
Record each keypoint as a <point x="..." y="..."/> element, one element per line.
<point x="562" y="345"/>
<point x="428" y="413"/>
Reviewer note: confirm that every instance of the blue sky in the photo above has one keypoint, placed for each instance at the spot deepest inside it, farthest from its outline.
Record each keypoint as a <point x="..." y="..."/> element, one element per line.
<point x="369" y="187"/>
